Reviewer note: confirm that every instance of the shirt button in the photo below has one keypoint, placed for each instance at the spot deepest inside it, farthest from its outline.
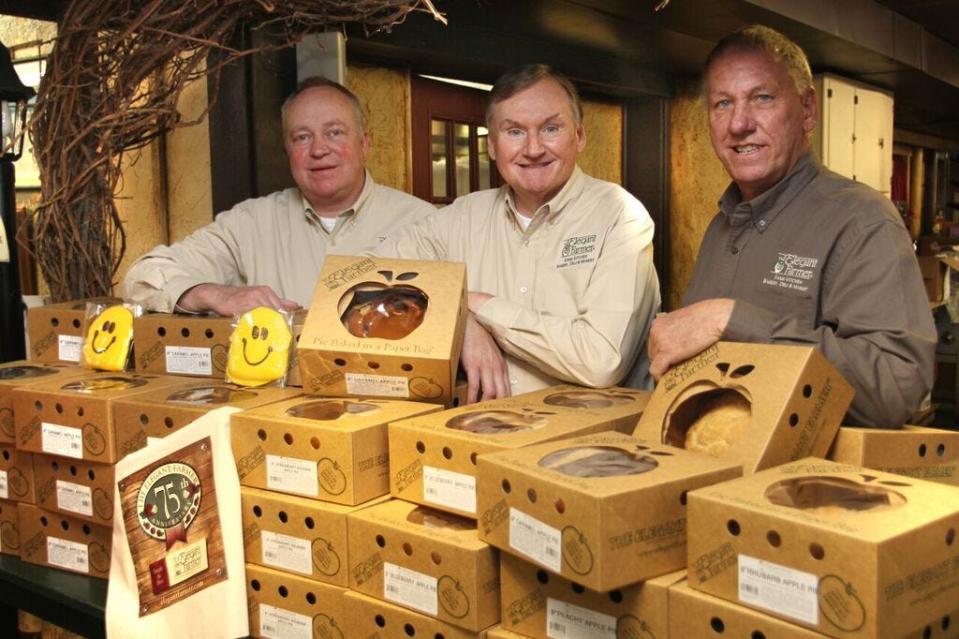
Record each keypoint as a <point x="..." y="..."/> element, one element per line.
<point x="762" y="223"/>
<point x="523" y="290"/>
<point x="514" y="381"/>
<point x="734" y="250"/>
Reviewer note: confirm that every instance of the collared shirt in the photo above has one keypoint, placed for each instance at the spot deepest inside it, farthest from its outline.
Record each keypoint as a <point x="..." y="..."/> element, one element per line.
<point x="276" y="240"/>
<point x="574" y="293"/>
<point x="824" y="261"/>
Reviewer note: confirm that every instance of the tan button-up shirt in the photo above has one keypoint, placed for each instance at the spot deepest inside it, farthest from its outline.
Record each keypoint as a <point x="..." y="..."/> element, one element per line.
<point x="276" y="240"/>
<point x="573" y="295"/>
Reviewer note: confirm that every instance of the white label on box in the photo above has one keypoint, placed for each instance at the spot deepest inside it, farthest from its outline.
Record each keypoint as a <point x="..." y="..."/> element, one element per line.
<point x="409" y="588"/>
<point x="61" y="440"/>
<point x="68" y="347"/>
<point x="277" y="623"/>
<point x="779" y="589"/>
<point x="535" y="540"/>
<point x="186" y="560"/>
<point x="74" y="498"/>
<point x="3" y="485"/>
<point x="286" y="552"/>
<point x="67" y="554"/>
<point x="189" y="360"/>
<point x="377" y="385"/>
<point x="292" y="475"/>
<point x="446" y="488"/>
<point x="566" y="621"/>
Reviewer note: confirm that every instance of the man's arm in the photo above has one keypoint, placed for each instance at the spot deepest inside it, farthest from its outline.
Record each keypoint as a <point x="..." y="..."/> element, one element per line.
<point x="677" y="336"/>
<point x="598" y="344"/>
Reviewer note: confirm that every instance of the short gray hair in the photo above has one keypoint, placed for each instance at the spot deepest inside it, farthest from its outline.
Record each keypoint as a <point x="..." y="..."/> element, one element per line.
<point x="757" y="38"/>
<point x="317" y="81"/>
<point x="515" y="80"/>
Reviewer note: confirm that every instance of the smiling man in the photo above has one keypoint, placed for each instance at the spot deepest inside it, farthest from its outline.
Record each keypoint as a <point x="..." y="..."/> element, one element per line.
<point x="798" y="254"/>
<point x="561" y="278"/>
<point x="268" y="251"/>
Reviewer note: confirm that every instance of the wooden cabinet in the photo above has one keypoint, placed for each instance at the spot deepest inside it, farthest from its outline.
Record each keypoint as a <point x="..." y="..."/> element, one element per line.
<point x="854" y="134"/>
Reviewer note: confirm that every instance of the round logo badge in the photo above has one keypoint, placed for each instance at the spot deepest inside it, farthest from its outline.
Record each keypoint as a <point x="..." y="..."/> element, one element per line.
<point x="168" y="502"/>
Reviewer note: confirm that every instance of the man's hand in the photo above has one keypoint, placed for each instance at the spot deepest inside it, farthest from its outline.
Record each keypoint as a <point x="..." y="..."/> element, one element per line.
<point x="486" y="373"/>
<point x="230" y="300"/>
<point x="677" y="336"/>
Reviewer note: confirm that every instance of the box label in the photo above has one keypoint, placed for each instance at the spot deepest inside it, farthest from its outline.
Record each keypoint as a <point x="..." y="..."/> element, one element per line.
<point x="378" y="385"/>
<point x="277" y="623"/>
<point x="286" y="552"/>
<point x="533" y="539"/>
<point x="450" y="489"/>
<point x="68" y="347"/>
<point x="779" y="589"/>
<point x="566" y="621"/>
<point x="292" y="475"/>
<point x="409" y="588"/>
<point x="67" y="554"/>
<point x="3" y="485"/>
<point x="74" y="498"/>
<point x="189" y="360"/>
<point x="62" y="440"/>
<point x="186" y="561"/>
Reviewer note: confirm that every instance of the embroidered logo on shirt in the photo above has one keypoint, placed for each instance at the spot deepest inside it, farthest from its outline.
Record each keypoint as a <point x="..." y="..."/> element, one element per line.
<point x="792" y="272"/>
<point x="577" y="250"/>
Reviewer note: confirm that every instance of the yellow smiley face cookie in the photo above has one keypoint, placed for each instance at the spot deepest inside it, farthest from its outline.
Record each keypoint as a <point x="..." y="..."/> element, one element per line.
<point x="259" y="348"/>
<point x="108" y="339"/>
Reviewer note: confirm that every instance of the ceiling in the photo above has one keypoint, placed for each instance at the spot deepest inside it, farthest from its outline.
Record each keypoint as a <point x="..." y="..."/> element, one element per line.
<point x="619" y="47"/>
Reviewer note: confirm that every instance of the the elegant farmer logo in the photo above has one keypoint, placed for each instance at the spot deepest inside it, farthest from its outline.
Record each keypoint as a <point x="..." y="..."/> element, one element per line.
<point x="792" y="272"/>
<point x="168" y="502"/>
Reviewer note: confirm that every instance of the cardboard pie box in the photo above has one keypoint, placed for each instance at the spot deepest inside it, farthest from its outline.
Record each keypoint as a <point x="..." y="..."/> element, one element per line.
<point x="849" y="552"/>
<point x="25" y="373"/>
<point x="181" y="344"/>
<point x="65" y="542"/>
<point x="331" y="449"/>
<point x="539" y="604"/>
<point x="166" y="410"/>
<point x="56" y="330"/>
<point x="9" y="528"/>
<point x="695" y="614"/>
<point x="499" y="632"/>
<point x="780" y="404"/>
<point x="370" y="617"/>
<point x="914" y="451"/>
<point x="74" y="418"/>
<point x="420" y="366"/>
<point x="17" y="481"/>
<point x="433" y="457"/>
<point x="604" y="510"/>
<point x="285" y="605"/>
<point x="298" y="535"/>
<point x="293" y="371"/>
<point x="425" y="560"/>
<point x="75" y="487"/>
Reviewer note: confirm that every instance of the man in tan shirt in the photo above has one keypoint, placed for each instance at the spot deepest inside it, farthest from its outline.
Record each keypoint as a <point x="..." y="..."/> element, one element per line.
<point x="559" y="264"/>
<point x="268" y="251"/>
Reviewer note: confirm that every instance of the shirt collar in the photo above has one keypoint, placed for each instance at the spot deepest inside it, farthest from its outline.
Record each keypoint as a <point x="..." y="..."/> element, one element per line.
<point x="763" y="209"/>
<point x="551" y="209"/>
<point x="352" y="211"/>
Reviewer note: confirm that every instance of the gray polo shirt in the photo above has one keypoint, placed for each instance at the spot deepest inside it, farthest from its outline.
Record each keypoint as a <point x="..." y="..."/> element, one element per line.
<point x="824" y="261"/>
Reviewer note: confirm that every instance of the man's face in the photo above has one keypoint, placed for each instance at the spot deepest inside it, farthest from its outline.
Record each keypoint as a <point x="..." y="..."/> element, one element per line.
<point x="327" y="149"/>
<point x="534" y="140"/>
<point x="758" y="121"/>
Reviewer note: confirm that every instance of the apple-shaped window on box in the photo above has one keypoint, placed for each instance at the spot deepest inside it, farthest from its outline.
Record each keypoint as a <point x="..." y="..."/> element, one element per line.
<point x="431" y="518"/>
<point x="588" y="399"/>
<point x="379" y="309"/>
<point x="103" y="384"/>
<point x="25" y="372"/>
<point x="814" y="493"/>
<point x="328" y="410"/>
<point x="498" y="422"/>
<point x="209" y="395"/>
<point x="599" y="461"/>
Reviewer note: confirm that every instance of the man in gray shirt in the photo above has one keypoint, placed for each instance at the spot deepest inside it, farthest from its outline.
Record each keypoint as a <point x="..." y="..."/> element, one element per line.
<point x="798" y="254"/>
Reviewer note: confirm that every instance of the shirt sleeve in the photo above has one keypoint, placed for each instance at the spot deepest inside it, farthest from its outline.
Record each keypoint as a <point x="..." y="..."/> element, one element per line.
<point x="208" y="255"/>
<point x="426" y="239"/>
<point x="598" y="345"/>
<point x="875" y="326"/>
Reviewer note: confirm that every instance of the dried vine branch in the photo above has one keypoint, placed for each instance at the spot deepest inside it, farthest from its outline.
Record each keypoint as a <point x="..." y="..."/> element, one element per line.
<point x="112" y="83"/>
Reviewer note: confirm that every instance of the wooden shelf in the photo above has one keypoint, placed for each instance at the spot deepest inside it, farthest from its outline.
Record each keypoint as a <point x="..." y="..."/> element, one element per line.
<point x="73" y="602"/>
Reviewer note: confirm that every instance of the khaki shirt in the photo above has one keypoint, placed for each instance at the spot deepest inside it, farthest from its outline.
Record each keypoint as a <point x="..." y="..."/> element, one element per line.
<point x="573" y="295"/>
<point x="823" y="261"/>
<point x="276" y="241"/>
